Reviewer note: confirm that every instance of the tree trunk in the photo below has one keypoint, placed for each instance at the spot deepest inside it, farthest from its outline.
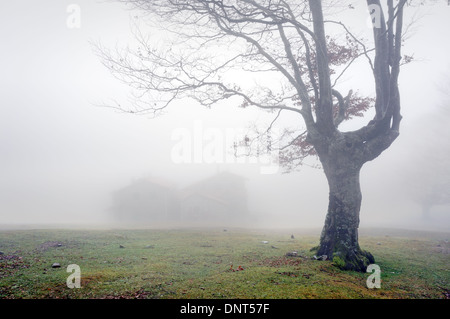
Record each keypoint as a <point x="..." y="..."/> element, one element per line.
<point x="339" y="237"/>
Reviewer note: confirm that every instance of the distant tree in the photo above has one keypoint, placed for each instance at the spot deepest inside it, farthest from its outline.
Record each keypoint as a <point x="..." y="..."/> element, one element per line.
<point x="435" y="185"/>
<point x="220" y="42"/>
<point x="427" y="175"/>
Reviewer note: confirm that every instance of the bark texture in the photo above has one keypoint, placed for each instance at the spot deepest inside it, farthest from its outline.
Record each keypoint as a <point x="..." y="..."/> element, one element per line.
<point x="342" y="159"/>
<point x="343" y="154"/>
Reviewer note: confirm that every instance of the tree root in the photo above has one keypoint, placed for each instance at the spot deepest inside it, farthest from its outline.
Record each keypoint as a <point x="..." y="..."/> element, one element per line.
<point x="354" y="260"/>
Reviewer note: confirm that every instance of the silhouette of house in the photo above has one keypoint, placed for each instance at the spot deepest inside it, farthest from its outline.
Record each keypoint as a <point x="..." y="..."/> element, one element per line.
<point x="220" y="198"/>
<point x="146" y="199"/>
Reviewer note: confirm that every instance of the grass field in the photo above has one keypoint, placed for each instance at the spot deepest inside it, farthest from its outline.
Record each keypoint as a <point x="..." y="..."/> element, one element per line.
<point x="214" y="263"/>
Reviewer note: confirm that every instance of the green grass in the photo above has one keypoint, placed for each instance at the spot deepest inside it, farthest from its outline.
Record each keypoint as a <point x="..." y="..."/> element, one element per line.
<point x="197" y="263"/>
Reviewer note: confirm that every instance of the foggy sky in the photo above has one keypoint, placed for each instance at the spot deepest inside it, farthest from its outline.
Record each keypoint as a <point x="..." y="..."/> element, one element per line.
<point x="62" y="154"/>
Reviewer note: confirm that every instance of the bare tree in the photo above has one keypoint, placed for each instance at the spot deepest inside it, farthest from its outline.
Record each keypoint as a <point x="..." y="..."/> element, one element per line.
<point x="217" y="43"/>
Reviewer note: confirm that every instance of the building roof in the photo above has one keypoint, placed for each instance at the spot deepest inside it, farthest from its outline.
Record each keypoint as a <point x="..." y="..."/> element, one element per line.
<point x="205" y="187"/>
<point x="219" y="176"/>
<point x="142" y="182"/>
<point x="188" y="195"/>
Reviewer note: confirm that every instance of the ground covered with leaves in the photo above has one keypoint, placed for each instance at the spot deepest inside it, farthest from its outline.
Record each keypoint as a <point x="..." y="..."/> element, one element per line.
<point x="215" y="263"/>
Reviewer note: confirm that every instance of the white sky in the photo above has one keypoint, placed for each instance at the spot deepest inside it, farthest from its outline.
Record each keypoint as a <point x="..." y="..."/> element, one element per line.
<point x="61" y="156"/>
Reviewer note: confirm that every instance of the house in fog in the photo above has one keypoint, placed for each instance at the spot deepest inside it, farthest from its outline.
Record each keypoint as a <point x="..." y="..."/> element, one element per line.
<point x="220" y="198"/>
<point x="146" y="200"/>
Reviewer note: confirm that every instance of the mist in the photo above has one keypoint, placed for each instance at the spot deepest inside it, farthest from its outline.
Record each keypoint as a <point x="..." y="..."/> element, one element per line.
<point x="64" y="154"/>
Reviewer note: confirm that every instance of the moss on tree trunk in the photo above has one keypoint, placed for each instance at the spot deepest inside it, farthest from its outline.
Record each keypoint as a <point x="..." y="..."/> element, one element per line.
<point x="339" y="237"/>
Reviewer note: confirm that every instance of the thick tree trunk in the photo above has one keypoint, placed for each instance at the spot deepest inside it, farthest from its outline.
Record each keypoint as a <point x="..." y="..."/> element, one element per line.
<point x="339" y="238"/>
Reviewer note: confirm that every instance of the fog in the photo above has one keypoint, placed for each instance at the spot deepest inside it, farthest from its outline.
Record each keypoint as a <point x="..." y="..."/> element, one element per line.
<point x="63" y="154"/>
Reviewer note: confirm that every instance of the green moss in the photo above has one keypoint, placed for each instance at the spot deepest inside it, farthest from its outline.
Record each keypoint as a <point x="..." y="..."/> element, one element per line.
<point x="338" y="262"/>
